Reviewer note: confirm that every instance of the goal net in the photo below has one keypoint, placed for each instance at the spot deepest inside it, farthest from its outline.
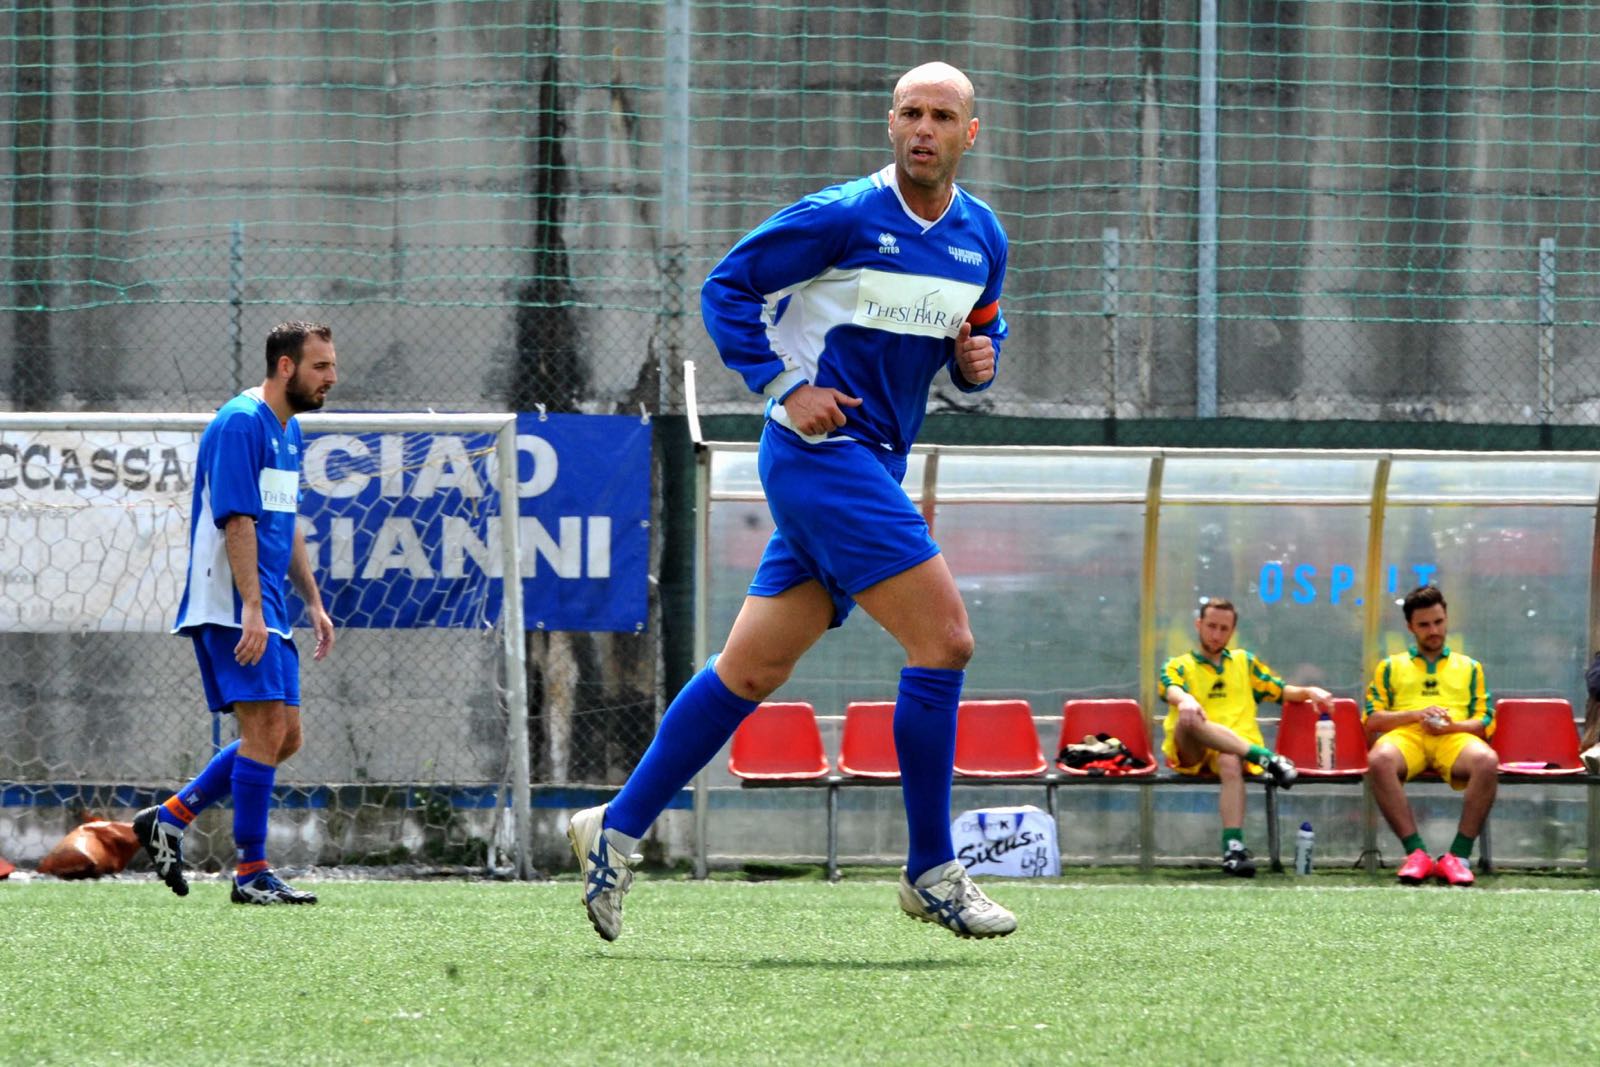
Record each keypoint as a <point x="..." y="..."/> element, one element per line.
<point x="409" y="754"/>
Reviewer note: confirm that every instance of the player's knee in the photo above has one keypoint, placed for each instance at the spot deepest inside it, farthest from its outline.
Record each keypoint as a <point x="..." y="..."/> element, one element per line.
<point x="753" y="681"/>
<point x="955" y="648"/>
<point x="1229" y="766"/>
<point x="1385" y="761"/>
<point x="1189" y="720"/>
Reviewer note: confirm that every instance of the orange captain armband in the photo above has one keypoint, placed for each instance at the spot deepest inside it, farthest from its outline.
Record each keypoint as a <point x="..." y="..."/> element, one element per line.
<point x="985" y="315"/>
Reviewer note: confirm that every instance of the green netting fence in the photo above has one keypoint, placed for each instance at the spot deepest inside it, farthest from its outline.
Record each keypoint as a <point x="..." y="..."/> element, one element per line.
<point x="1292" y="211"/>
<point x="1361" y="222"/>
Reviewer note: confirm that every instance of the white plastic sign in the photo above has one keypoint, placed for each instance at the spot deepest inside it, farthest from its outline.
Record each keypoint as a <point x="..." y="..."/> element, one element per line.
<point x="1011" y="842"/>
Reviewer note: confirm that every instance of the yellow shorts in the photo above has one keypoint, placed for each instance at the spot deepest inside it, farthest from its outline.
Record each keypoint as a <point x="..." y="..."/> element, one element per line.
<point x="1208" y="766"/>
<point x="1251" y="732"/>
<point x="1423" y="751"/>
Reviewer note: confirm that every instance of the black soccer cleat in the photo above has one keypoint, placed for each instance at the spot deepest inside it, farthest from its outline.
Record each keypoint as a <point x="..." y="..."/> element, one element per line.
<point x="1238" y="862"/>
<point x="164" y="845"/>
<point x="268" y="888"/>
<point x="1282" y="770"/>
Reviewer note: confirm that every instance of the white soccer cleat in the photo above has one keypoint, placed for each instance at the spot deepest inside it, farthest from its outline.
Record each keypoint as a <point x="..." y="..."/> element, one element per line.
<point x="954" y="901"/>
<point x="268" y="888"/>
<point x="606" y="874"/>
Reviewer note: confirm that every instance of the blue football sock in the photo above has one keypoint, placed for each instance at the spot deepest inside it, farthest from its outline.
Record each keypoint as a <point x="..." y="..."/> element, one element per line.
<point x="214" y="782"/>
<point x="252" y="795"/>
<point x="694" y="729"/>
<point x="925" y="739"/>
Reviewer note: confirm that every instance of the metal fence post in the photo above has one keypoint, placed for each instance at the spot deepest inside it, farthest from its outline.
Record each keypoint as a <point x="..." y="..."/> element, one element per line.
<point x="674" y="195"/>
<point x="1371" y="622"/>
<point x="236" y="300"/>
<point x="1148" y="696"/>
<point x="1547" y="330"/>
<point x="702" y="601"/>
<point x="1110" y="299"/>
<point x="516" y="650"/>
<point x="1205" y="370"/>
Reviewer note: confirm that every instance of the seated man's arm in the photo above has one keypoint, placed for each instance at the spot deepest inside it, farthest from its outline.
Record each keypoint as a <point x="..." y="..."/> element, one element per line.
<point x="1376" y="713"/>
<point x="1174" y="687"/>
<point x="1381" y="722"/>
<point x="1477" y="715"/>
<point x="1309" y="694"/>
<point x="1475" y="727"/>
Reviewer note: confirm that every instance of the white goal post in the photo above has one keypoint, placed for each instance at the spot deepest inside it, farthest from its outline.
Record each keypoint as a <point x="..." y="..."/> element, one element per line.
<point x="94" y="511"/>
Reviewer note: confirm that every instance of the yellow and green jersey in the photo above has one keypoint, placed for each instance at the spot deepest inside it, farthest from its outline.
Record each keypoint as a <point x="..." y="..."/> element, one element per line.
<point x="1228" y="692"/>
<point x="1406" y="681"/>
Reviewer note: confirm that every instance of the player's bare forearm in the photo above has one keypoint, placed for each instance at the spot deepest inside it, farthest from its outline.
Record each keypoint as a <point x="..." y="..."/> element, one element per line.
<point x="305" y="583"/>
<point x="239" y="535"/>
<point x="239" y="539"/>
<point x="1308" y="694"/>
<point x="1379" y="722"/>
<point x="301" y="574"/>
<point x="1177" y="696"/>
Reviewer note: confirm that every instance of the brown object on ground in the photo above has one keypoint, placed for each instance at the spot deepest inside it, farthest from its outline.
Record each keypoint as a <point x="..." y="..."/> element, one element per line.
<point x="6" y="867"/>
<point x="93" y="849"/>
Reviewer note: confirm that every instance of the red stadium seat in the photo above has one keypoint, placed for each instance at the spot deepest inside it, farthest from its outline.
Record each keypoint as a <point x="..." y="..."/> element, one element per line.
<point x="778" y="742"/>
<point x="866" y="749"/>
<point x="997" y="739"/>
<point x="1536" y="737"/>
<point x="1121" y="718"/>
<point x="1297" y="739"/>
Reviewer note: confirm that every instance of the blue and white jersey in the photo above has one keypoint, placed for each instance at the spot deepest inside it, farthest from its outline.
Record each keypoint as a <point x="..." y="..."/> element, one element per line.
<point x="249" y="464"/>
<point x="850" y="289"/>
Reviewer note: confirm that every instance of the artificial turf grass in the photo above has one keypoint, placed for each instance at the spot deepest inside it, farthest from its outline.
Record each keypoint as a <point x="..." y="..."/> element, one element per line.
<point x="1177" y="970"/>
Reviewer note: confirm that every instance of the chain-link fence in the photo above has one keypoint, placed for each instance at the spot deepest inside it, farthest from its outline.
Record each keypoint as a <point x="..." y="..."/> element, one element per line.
<point x="1311" y="211"/>
<point x="415" y="753"/>
<point x="1316" y="214"/>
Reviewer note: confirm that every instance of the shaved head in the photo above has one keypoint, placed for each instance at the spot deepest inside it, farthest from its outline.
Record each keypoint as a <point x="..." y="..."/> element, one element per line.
<point x="937" y="74"/>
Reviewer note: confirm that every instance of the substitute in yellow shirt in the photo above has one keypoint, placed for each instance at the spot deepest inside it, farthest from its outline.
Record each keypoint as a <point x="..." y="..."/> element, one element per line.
<point x="1452" y="684"/>
<point x="1213" y="691"/>
<point x="1429" y="708"/>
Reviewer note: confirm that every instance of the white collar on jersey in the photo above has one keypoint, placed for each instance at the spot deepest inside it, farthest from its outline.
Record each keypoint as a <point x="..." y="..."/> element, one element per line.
<point x="887" y="177"/>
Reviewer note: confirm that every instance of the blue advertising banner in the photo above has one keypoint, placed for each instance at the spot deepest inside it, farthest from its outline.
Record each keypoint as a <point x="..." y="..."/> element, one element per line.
<point x="404" y="531"/>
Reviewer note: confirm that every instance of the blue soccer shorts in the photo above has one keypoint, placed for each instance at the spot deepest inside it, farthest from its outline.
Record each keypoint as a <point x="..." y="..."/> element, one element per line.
<point x="841" y="516"/>
<point x="275" y="677"/>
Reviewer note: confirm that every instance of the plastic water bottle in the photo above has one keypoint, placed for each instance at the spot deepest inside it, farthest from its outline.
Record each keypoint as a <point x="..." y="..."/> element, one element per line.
<point x="1303" y="843"/>
<point x="1325" y="741"/>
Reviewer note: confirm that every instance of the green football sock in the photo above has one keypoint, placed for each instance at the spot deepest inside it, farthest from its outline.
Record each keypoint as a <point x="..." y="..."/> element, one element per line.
<point x="1232" y="833"/>
<point x="1412" y="842"/>
<point x="1258" y="755"/>
<point x="1462" y="845"/>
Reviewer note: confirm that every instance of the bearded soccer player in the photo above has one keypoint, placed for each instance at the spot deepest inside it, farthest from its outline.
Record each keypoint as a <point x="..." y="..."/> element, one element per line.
<point x="1431" y="708"/>
<point x="841" y="310"/>
<point x="244" y="550"/>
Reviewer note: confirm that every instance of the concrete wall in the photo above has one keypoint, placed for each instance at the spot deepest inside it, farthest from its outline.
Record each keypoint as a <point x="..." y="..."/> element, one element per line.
<point x="472" y="193"/>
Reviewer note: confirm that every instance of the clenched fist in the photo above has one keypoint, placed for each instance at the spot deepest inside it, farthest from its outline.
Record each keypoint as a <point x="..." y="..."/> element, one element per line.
<point x="974" y="355"/>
